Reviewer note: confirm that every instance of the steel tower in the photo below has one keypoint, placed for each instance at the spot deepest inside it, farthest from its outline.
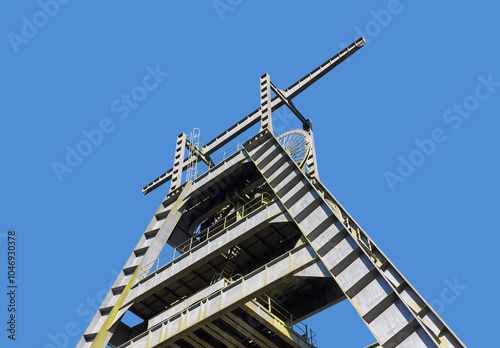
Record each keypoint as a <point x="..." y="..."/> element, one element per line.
<point x="256" y="243"/>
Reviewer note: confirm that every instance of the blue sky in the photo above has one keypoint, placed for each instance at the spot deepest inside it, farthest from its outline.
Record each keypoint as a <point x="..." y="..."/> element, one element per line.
<point x="406" y="136"/>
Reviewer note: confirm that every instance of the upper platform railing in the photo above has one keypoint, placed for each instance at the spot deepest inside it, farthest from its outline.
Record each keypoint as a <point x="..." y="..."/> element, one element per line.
<point x="204" y="167"/>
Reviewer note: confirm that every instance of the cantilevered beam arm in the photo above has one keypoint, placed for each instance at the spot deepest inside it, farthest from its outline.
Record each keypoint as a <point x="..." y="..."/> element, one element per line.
<point x="253" y="118"/>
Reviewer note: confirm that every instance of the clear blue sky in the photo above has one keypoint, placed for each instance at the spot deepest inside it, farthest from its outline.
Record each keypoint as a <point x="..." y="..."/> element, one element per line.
<point x="429" y="71"/>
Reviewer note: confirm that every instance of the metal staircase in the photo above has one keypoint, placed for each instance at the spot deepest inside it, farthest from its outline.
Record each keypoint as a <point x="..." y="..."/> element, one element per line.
<point x="232" y="256"/>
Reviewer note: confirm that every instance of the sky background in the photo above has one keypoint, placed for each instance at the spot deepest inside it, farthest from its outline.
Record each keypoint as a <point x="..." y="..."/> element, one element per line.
<point x="429" y="71"/>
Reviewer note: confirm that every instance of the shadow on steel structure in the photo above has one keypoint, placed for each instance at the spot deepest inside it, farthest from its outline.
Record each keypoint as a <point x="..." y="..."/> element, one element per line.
<point x="257" y="244"/>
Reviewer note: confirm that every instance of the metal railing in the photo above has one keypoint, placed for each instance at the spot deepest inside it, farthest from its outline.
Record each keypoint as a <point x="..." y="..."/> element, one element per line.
<point x="204" y="167"/>
<point x="271" y="306"/>
<point x="234" y="216"/>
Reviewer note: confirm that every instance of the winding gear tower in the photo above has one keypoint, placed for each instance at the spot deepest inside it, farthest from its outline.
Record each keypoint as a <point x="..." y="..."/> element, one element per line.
<point x="255" y="244"/>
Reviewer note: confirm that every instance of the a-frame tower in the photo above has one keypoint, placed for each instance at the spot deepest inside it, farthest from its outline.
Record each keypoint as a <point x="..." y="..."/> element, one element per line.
<point x="257" y="245"/>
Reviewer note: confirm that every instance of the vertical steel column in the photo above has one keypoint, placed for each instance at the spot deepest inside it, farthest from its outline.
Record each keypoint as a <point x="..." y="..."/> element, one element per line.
<point x="180" y="148"/>
<point x="312" y="167"/>
<point x="265" y="103"/>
